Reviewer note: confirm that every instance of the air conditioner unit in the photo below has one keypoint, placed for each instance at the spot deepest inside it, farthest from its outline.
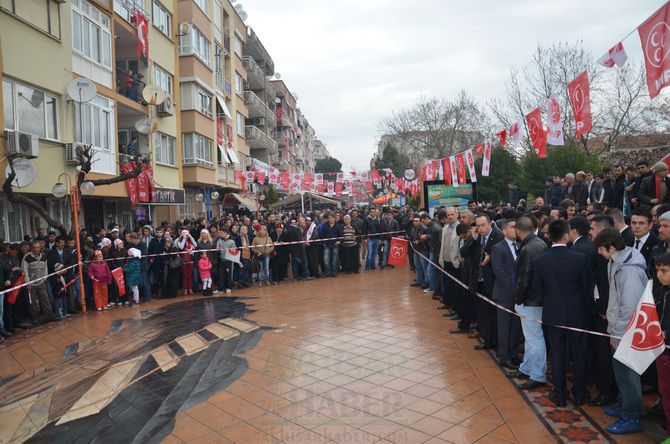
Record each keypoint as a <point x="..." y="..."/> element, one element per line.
<point x="73" y="153"/>
<point x="167" y="107"/>
<point x="259" y="121"/>
<point x="23" y="144"/>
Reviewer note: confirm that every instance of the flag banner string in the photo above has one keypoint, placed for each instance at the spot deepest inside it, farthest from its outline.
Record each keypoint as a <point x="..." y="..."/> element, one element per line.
<point x="63" y="270"/>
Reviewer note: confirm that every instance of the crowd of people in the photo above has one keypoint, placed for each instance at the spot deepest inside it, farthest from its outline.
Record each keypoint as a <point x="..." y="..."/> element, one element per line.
<point x="580" y="256"/>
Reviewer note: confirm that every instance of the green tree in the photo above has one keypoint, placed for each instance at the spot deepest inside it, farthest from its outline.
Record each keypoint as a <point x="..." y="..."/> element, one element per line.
<point x="327" y="165"/>
<point x="504" y="168"/>
<point x="393" y="159"/>
<point x="559" y="161"/>
<point x="271" y="195"/>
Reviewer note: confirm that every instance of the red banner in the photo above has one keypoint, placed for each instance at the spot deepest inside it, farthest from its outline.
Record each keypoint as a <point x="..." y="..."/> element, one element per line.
<point x="447" y="170"/>
<point x="460" y="160"/>
<point x="578" y="91"/>
<point x="538" y="135"/>
<point x="261" y="177"/>
<point x="655" y="38"/>
<point x="229" y="130"/>
<point x="131" y="184"/>
<point x="398" y="252"/>
<point x="117" y="274"/>
<point x="142" y="27"/>
<point x="149" y="173"/>
<point x="219" y="132"/>
<point x="142" y="187"/>
<point x="12" y="295"/>
<point x="502" y="137"/>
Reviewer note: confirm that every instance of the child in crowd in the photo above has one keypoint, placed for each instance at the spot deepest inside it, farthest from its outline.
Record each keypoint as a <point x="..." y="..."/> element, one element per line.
<point x="227" y="267"/>
<point x="133" y="274"/>
<point x="58" y="283"/>
<point x="205" y="269"/>
<point x="99" y="273"/>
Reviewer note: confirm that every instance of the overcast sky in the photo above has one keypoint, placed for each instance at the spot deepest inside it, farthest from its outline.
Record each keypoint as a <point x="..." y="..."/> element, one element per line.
<point x="352" y="63"/>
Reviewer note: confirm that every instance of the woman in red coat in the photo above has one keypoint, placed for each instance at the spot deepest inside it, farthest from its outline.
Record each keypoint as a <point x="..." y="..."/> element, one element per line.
<point x="99" y="272"/>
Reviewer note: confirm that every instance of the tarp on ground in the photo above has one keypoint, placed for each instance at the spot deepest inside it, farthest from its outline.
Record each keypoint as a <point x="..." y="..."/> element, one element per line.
<point x="312" y="200"/>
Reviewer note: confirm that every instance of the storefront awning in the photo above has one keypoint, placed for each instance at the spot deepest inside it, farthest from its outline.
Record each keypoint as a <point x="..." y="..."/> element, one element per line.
<point x="224" y="108"/>
<point x="234" y="199"/>
<point x="225" y="157"/>
<point x="233" y="156"/>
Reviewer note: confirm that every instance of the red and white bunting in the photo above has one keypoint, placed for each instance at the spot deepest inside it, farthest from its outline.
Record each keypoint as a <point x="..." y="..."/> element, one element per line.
<point x="580" y="98"/>
<point x="340" y="177"/>
<point x="250" y="176"/>
<point x="615" y="56"/>
<point x="454" y="170"/>
<point x="460" y="161"/>
<point x="502" y="137"/>
<point x="554" y="123"/>
<point x="486" y="160"/>
<point x="515" y="133"/>
<point x="470" y="161"/>
<point x="318" y="178"/>
<point x="655" y="39"/>
<point x="537" y="134"/>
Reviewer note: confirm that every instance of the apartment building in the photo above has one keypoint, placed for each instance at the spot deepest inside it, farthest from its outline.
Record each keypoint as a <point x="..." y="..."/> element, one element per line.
<point x="47" y="44"/>
<point x="320" y="150"/>
<point x="285" y="135"/>
<point x="305" y="144"/>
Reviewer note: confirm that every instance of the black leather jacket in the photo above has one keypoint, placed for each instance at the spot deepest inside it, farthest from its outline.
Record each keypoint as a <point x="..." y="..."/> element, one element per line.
<point x="435" y="237"/>
<point x="531" y="247"/>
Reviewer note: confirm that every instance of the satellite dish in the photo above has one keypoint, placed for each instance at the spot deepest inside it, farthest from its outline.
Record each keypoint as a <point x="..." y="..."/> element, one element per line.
<point x="243" y="15"/>
<point x="81" y="90"/>
<point x="184" y="28"/>
<point x="295" y="95"/>
<point x="146" y="126"/>
<point x="277" y="100"/>
<point x="410" y="174"/>
<point x="153" y="94"/>
<point x="277" y="76"/>
<point x="25" y="173"/>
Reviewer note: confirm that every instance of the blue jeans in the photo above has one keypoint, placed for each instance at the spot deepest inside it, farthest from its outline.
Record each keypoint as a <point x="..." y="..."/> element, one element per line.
<point x="432" y="273"/>
<point x="146" y="285"/>
<point x="373" y="245"/>
<point x="421" y="267"/>
<point x="300" y="267"/>
<point x="245" y="271"/>
<point x="331" y="259"/>
<point x="630" y="389"/>
<point x="264" y="271"/>
<point x="535" y="350"/>
<point x="385" y="253"/>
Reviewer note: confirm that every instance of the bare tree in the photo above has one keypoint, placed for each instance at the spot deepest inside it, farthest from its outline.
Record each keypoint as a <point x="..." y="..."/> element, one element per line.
<point x="85" y="162"/>
<point x="437" y="127"/>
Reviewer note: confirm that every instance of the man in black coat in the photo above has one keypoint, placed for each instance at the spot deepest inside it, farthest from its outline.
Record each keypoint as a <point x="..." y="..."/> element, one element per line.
<point x="655" y="189"/>
<point x="618" y="187"/>
<point x="488" y="236"/>
<point x="562" y="277"/>
<point x="503" y="258"/>
<point x="644" y="240"/>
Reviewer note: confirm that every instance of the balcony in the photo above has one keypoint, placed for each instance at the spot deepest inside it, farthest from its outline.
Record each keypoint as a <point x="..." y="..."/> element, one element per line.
<point x="255" y="74"/>
<point x="127" y="9"/>
<point x="258" y="140"/>
<point x="256" y="106"/>
<point x="225" y="174"/>
<point x="255" y="49"/>
<point x="129" y="85"/>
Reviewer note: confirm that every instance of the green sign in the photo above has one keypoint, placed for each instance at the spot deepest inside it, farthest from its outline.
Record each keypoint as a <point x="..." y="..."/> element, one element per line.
<point x="448" y="196"/>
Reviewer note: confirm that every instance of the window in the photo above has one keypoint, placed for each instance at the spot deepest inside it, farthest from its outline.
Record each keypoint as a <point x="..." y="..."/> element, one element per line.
<point x="44" y="15"/>
<point x="202" y="4"/>
<point x="240" y="125"/>
<point x="197" y="149"/>
<point x="161" y="18"/>
<point x="97" y="121"/>
<point x="163" y="79"/>
<point x="165" y="149"/>
<point x="218" y="16"/>
<point x="203" y="102"/>
<point x="239" y="85"/>
<point x="91" y="36"/>
<point x="195" y="43"/>
<point x="218" y="65"/>
<point x="237" y="45"/>
<point x="30" y="110"/>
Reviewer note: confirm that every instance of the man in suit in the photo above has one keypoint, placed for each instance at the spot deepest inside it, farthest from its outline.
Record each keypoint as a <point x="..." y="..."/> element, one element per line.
<point x="450" y="260"/>
<point x="562" y="277"/>
<point x="486" y="313"/>
<point x="503" y="258"/>
<point x="580" y="190"/>
<point x="594" y="189"/>
<point x="655" y="189"/>
<point x="644" y="240"/>
<point x="618" y="187"/>
<point x="599" y="351"/>
<point x="620" y="224"/>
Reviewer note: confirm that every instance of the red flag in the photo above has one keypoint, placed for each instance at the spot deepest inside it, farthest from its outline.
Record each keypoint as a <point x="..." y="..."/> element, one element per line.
<point x="142" y="187"/>
<point x="261" y="177"/>
<point x="479" y="149"/>
<point x="331" y="186"/>
<point x="655" y="38"/>
<point x="486" y="160"/>
<point x="131" y="184"/>
<point x="502" y="137"/>
<point x="615" y="56"/>
<point x="578" y="91"/>
<point x="117" y="274"/>
<point x="250" y="176"/>
<point x="398" y="252"/>
<point x="219" y="131"/>
<point x="447" y="170"/>
<point x="148" y="171"/>
<point x="460" y="160"/>
<point x="537" y="134"/>
<point x="142" y="27"/>
<point x="12" y="295"/>
<point x="470" y="158"/>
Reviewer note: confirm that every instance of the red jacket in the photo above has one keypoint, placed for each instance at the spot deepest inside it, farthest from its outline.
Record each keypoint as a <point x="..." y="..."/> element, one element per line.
<point x="99" y="270"/>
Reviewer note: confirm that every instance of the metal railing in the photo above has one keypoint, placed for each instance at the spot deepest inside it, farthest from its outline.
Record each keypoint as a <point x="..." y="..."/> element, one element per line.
<point x="129" y="84"/>
<point x="251" y="99"/>
<point x="252" y="68"/>
<point x="127" y="9"/>
<point x="253" y="133"/>
<point x="225" y="174"/>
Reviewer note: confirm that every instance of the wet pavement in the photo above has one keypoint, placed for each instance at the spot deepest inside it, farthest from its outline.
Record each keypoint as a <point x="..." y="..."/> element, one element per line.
<point x="356" y="359"/>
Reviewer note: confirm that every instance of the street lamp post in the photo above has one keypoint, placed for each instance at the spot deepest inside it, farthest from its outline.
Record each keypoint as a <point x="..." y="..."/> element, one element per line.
<point x="207" y="194"/>
<point x="59" y="191"/>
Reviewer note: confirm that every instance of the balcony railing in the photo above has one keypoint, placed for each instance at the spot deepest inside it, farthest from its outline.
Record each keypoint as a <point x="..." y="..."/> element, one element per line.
<point x="225" y="174"/>
<point x="255" y="137"/>
<point x="254" y="102"/>
<point x="255" y="71"/>
<point x="127" y="9"/>
<point x="129" y="84"/>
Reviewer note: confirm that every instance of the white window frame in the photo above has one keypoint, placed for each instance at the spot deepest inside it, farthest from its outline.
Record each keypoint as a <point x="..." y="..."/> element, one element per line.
<point x="239" y="123"/>
<point x="237" y="45"/>
<point x="202" y="4"/>
<point x="91" y="20"/>
<point x="203" y="102"/>
<point x="165" y="150"/>
<point x="239" y="84"/>
<point x="16" y="121"/>
<point x="162" y="78"/>
<point x="95" y="112"/>
<point x="197" y="150"/>
<point x="161" y="17"/>
<point x="196" y="43"/>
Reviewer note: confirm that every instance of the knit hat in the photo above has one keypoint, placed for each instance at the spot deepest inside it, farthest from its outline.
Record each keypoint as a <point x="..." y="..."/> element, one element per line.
<point x="98" y="254"/>
<point x="114" y="230"/>
<point x="659" y="167"/>
<point x="105" y="242"/>
<point x="665" y="216"/>
<point x="134" y="252"/>
<point x="118" y="242"/>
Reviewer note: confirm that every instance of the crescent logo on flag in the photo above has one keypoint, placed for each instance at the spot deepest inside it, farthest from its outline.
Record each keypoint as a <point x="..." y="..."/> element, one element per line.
<point x="486" y="162"/>
<point x="398" y="252"/>
<point x="537" y="135"/>
<point x="250" y="176"/>
<point x="364" y="176"/>
<point x="578" y="92"/>
<point x="454" y="170"/>
<point x="340" y="177"/>
<point x="471" y="165"/>
<point x="554" y="122"/>
<point x="655" y="36"/>
<point x="615" y="56"/>
<point x="233" y="255"/>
